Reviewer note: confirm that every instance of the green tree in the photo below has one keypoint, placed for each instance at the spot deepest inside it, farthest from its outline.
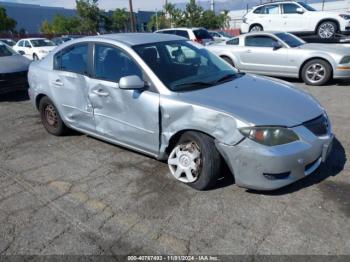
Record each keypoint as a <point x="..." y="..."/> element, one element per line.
<point x="46" y="28"/>
<point x="209" y="20"/>
<point x="89" y="15"/>
<point x="120" y="20"/>
<point x="158" y="21"/>
<point x="61" y="25"/>
<point x="6" y="23"/>
<point x="193" y="13"/>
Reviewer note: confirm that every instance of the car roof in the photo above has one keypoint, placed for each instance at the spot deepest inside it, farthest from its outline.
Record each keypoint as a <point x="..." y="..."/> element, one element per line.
<point x="132" y="39"/>
<point x="37" y="38"/>
<point x="276" y="2"/>
<point x="182" y="28"/>
<point x="262" y="33"/>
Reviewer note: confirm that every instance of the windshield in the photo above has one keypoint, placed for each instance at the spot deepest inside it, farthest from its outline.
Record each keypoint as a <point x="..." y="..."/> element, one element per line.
<point x="42" y="42"/>
<point x="184" y="65"/>
<point x="6" y="51"/>
<point x="290" y="39"/>
<point x="307" y="7"/>
<point x="8" y="42"/>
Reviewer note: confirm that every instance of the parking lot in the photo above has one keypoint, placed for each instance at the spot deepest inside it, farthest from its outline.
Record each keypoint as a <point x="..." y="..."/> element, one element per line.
<point x="79" y="195"/>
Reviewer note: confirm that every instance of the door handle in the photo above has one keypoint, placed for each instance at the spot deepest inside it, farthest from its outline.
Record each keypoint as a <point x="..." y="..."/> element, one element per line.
<point x="57" y="83"/>
<point x="100" y="93"/>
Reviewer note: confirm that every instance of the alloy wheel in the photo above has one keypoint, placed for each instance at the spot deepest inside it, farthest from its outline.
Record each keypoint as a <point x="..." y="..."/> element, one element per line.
<point x="315" y="73"/>
<point x="256" y="28"/>
<point x="326" y="30"/>
<point x="185" y="162"/>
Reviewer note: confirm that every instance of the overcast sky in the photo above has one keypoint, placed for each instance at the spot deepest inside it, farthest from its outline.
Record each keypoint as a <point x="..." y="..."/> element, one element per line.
<point x="105" y="4"/>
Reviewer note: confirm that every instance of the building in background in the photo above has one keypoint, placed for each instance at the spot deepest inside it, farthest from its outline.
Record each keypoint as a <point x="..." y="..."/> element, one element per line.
<point x="342" y="6"/>
<point x="30" y="17"/>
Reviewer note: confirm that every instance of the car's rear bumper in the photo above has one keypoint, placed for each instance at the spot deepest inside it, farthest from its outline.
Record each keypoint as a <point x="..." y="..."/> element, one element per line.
<point x="244" y="28"/>
<point x="268" y="168"/>
<point x="10" y="82"/>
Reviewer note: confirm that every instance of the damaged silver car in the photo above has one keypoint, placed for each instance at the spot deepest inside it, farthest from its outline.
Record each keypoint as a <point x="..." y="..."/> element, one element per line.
<point x="172" y="99"/>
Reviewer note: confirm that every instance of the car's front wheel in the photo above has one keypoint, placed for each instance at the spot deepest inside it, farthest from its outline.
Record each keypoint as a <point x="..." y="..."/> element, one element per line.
<point x="316" y="72"/>
<point x="35" y="57"/>
<point x="195" y="161"/>
<point x="327" y="30"/>
<point x="50" y="117"/>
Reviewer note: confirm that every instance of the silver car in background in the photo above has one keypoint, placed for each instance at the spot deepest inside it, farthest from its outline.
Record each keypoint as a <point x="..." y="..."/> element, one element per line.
<point x="285" y="55"/>
<point x="172" y="99"/>
<point x="13" y="70"/>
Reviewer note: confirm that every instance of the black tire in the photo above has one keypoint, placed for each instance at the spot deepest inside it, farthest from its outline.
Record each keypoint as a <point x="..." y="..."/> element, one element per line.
<point x="256" y="28"/>
<point x="228" y="60"/>
<point x="210" y="157"/>
<point x="35" y="57"/>
<point x="55" y="127"/>
<point x="327" y="72"/>
<point x="327" y="30"/>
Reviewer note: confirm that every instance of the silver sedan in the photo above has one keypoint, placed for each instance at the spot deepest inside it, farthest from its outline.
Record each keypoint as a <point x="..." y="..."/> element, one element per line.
<point x="285" y="55"/>
<point x="170" y="98"/>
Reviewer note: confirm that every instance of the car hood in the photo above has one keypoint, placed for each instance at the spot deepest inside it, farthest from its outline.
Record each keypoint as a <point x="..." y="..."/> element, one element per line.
<point x="258" y="101"/>
<point x="333" y="48"/>
<point x="13" y="64"/>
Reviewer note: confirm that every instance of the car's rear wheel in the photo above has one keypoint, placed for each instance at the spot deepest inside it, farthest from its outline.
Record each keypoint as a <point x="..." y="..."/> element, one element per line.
<point x="35" y="57"/>
<point x="195" y="161"/>
<point x="316" y="72"/>
<point x="256" y="28"/>
<point x="327" y="30"/>
<point x="50" y="117"/>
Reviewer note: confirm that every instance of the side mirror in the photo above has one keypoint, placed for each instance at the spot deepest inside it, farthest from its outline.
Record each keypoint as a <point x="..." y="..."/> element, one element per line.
<point x="300" y="10"/>
<point x="133" y="82"/>
<point x="277" y="45"/>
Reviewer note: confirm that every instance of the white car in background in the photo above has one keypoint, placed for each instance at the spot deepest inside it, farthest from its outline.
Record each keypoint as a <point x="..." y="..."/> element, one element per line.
<point x="34" y="48"/>
<point x="196" y="34"/>
<point x="295" y="17"/>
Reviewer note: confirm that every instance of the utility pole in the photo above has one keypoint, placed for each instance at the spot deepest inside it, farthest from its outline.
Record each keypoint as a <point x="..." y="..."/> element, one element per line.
<point x="212" y="5"/>
<point x="132" y="18"/>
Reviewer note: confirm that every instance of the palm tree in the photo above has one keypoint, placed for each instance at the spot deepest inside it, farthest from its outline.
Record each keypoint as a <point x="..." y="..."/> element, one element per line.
<point x="169" y="9"/>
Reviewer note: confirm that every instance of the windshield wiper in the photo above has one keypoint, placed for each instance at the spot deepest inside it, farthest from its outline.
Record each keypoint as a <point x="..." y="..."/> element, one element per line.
<point x="227" y="78"/>
<point x="191" y="85"/>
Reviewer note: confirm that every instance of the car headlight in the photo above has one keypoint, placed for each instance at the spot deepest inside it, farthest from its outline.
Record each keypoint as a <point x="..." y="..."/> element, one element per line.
<point x="269" y="136"/>
<point x="346" y="17"/>
<point x="345" y="60"/>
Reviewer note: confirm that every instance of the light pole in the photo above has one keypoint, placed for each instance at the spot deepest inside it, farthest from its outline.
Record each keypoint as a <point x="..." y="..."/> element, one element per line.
<point x="132" y="18"/>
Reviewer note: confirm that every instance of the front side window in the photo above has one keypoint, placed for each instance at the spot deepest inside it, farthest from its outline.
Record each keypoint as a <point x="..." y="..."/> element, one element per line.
<point x="184" y="65"/>
<point x="170" y="32"/>
<point x="259" y="10"/>
<point x="21" y="43"/>
<point x="271" y="9"/>
<point x="307" y="7"/>
<point x="73" y="59"/>
<point x="42" y="43"/>
<point x="27" y="44"/>
<point x="234" y="41"/>
<point x="290" y="8"/>
<point x="6" y="51"/>
<point x="111" y="64"/>
<point x="260" y="41"/>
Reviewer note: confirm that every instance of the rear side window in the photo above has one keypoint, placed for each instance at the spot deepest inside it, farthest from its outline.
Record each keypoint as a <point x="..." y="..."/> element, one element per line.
<point x="234" y="41"/>
<point x="182" y="33"/>
<point x="111" y="64"/>
<point x="202" y="34"/>
<point x="260" y="41"/>
<point x="271" y="9"/>
<point x="170" y="32"/>
<point x="73" y="59"/>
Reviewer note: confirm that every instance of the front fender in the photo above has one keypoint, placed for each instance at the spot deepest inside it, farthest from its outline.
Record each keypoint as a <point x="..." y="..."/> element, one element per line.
<point x="177" y="116"/>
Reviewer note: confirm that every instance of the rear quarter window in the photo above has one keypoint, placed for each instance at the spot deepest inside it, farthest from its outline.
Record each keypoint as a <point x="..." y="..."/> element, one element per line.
<point x="183" y="33"/>
<point x="202" y="34"/>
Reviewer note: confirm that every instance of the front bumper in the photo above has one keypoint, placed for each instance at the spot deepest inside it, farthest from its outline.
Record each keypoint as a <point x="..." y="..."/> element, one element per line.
<point x="261" y="167"/>
<point x="342" y="71"/>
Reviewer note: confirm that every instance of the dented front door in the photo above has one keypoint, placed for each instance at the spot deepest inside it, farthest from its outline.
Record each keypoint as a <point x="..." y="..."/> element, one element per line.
<point x="130" y="117"/>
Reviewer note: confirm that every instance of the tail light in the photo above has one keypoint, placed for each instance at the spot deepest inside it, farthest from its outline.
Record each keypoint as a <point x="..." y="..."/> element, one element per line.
<point x="198" y="40"/>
